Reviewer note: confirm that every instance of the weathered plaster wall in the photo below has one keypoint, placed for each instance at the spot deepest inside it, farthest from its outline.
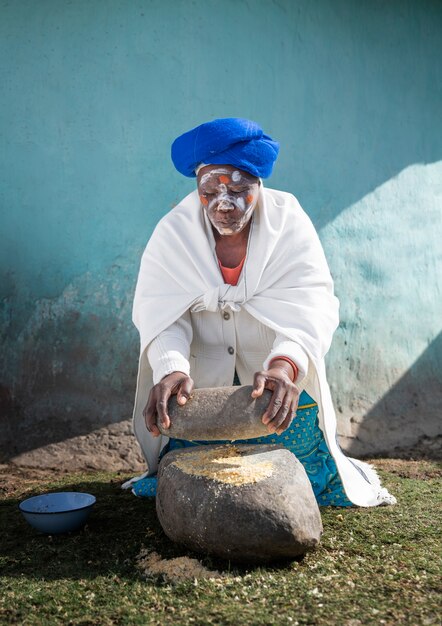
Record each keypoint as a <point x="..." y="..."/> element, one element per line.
<point x="93" y="93"/>
<point x="386" y="359"/>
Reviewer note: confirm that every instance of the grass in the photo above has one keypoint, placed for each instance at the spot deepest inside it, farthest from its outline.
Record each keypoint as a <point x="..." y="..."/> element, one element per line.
<point x="374" y="566"/>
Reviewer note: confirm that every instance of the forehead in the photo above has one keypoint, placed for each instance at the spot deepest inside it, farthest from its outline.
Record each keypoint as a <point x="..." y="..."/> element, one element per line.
<point x="224" y="174"/>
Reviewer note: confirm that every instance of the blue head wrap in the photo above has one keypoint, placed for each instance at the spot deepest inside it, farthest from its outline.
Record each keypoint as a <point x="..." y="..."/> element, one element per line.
<point x="226" y="141"/>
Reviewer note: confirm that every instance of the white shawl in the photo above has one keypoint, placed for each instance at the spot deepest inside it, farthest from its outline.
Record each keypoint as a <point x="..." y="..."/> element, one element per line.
<point x="285" y="284"/>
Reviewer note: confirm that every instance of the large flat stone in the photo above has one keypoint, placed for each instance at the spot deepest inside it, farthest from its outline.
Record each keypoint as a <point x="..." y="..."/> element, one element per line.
<point x="218" y="413"/>
<point x="251" y="503"/>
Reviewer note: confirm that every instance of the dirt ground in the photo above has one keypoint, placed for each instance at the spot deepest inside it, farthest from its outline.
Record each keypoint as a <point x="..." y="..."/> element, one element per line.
<point x="13" y="477"/>
<point x="111" y="448"/>
<point x="114" y="448"/>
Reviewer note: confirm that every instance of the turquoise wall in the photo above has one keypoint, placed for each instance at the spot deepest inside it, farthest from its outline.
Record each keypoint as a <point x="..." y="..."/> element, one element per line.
<point x="94" y="92"/>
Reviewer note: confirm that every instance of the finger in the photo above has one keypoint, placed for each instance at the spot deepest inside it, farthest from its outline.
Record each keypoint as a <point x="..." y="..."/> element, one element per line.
<point x="185" y="390"/>
<point x="291" y="414"/>
<point x="275" y="404"/>
<point x="150" y="417"/>
<point x="258" y="385"/>
<point x="285" y="424"/>
<point x="281" y="415"/>
<point x="163" y="416"/>
<point x="295" y="400"/>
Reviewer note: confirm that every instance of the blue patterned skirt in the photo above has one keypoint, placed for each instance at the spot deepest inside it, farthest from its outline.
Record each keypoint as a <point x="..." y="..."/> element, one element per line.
<point x="304" y="438"/>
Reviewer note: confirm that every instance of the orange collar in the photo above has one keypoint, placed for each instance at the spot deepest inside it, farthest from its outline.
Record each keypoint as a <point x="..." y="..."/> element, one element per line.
<point x="231" y="274"/>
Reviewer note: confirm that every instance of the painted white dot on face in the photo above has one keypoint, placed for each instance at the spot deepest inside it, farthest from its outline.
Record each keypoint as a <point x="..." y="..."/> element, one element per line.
<point x="214" y="173"/>
<point x="236" y="176"/>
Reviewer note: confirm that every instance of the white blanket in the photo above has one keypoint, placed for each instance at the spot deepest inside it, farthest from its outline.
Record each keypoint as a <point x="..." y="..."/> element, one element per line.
<point x="285" y="284"/>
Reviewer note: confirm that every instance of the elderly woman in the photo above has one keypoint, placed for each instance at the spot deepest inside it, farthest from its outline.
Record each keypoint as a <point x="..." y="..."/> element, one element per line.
<point x="234" y="285"/>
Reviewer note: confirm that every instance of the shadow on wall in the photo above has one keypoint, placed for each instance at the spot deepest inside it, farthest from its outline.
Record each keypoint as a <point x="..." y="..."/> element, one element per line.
<point x="74" y="365"/>
<point x="409" y="413"/>
<point x="352" y="118"/>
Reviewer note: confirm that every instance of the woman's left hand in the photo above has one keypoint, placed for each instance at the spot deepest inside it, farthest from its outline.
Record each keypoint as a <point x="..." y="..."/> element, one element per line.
<point x="284" y="401"/>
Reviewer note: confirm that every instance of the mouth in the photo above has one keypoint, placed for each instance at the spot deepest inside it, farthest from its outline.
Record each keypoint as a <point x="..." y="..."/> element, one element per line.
<point x="227" y="223"/>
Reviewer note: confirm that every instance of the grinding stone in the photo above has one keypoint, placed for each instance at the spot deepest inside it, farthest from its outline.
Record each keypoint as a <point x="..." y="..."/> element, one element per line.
<point x="219" y="413"/>
<point x="249" y="503"/>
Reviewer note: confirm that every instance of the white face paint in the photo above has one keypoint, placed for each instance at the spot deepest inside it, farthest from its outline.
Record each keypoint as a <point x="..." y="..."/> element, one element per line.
<point x="229" y="197"/>
<point x="236" y="176"/>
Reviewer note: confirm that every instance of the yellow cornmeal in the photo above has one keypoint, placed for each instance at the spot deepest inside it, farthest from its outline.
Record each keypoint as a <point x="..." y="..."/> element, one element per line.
<point x="181" y="568"/>
<point x="226" y="464"/>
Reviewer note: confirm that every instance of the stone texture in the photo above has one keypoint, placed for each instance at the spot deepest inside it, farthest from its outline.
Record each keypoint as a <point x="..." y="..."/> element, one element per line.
<point x="274" y="517"/>
<point x="218" y="413"/>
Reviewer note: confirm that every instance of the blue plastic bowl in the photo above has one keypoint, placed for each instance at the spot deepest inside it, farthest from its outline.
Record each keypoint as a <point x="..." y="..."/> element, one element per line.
<point x="55" y="513"/>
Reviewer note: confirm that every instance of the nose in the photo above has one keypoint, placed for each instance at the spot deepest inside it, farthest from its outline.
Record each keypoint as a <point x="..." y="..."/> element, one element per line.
<point x="225" y="205"/>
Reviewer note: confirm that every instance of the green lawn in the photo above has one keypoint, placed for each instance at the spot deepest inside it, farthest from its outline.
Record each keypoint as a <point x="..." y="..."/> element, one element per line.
<point x="374" y="566"/>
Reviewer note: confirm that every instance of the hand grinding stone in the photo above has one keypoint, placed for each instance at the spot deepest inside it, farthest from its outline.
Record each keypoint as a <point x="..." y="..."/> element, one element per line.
<point x="248" y="503"/>
<point x="219" y="413"/>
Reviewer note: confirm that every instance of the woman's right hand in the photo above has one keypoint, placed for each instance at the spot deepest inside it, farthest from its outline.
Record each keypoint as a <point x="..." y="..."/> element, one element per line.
<point x="178" y="384"/>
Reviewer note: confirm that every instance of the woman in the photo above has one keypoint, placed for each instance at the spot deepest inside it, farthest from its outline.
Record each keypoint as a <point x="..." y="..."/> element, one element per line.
<point x="234" y="283"/>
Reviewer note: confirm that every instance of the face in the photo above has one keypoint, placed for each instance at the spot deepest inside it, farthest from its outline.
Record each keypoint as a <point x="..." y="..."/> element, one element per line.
<point x="228" y="195"/>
